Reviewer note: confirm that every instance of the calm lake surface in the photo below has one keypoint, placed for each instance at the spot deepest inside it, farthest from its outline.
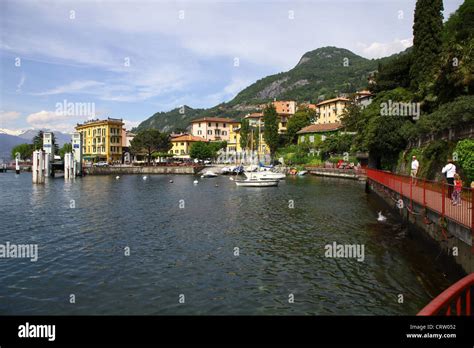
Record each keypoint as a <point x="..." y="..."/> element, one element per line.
<point x="190" y="250"/>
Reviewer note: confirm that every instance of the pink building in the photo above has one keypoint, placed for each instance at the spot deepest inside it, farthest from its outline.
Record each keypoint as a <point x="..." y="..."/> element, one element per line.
<point x="212" y="128"/>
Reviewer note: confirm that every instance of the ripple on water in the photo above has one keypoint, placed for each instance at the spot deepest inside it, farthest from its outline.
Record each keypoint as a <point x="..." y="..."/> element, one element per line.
<point x="191" y="251"/>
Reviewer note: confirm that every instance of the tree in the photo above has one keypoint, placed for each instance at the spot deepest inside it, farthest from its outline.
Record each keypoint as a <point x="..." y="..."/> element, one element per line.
<point x="256" y="138"/>
<point x="465" y="154"/>
<point x="38" y="142"/>
<point x="394" y="73"/>
<point x="244" y="134"/>
<point x="25" y="151"/>
<point x="302" y="118"/>
<point x="270" y="132"/>
<point x="352" y="118"/>
<point x="427" y="40"/>
<point x="149" y="141"/>
<point x="201" y="150"/>
<point x="67" y="147"/>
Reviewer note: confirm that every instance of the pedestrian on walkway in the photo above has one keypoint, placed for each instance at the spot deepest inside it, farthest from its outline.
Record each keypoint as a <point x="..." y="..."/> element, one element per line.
<point x="449" y="170"/>
<point x="414" y="169"/>
<point x="457" y="190"/>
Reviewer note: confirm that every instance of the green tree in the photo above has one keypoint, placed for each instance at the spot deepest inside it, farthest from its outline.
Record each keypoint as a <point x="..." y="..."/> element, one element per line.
<point x="302" y="118"/>
<point x="427" y="40"/>
<point x="201" y="151"/>
<point x="270" y="132"/>
<point x="67" y="147"/>
<point x="149" y="141"/>
<point x="244" y="134"/>
<point x="25" y="151"/>
<point x="465" y="153"/>
<point x="256" y="138"/>
<point x="352" y="118"/>
<point x="394" y="73"/>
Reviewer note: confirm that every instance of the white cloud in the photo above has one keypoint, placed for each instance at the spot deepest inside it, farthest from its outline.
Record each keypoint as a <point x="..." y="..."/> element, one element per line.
<point x="130" y="124"/>
<point x="379" y="49"/>
<point x="7" y="116"/>
<point x="73" y="87"/>
<point x="54" y="120"/>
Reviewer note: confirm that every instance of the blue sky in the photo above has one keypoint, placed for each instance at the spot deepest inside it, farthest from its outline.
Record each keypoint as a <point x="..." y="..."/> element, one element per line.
<point x="179" y="52"/>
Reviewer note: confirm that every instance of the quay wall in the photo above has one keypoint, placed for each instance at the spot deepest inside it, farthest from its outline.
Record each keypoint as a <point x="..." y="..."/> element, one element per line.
<point x="426" y="223"/>
<point x="142" y="170"/>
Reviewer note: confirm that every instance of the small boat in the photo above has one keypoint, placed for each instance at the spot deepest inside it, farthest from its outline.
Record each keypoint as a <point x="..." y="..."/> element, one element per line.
<point x="209" y="174"/>
<point x="256" y="183"/>
<point x="303" y="172"/>
<point x="264" y="175"/>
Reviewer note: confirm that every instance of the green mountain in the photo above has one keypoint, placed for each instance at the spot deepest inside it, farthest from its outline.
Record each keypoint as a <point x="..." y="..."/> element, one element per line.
<point x="320" y="74"/>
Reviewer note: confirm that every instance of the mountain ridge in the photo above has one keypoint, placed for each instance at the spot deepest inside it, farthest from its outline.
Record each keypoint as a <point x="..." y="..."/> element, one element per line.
<point x="319" y="74"/>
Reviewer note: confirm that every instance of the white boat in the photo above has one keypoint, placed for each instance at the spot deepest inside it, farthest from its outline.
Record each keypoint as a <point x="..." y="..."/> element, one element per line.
<point x="256" y="183"/>
<point x="265" y="175"/>
<point x="303" y="172"/>
<point x="209" y="174"/>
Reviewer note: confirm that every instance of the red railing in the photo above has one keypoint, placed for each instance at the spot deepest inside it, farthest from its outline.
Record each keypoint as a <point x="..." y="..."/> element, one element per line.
<point x="455" y="300"/>
<point x="432" y="195"/>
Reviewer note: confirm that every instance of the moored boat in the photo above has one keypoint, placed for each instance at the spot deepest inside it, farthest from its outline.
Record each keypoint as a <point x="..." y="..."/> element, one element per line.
<point x="209" y="174"/>
<point x="264" y="175"/>
<point x="256" y="183"/>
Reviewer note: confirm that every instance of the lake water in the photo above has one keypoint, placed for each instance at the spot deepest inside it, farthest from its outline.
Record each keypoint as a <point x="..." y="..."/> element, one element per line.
<point x="182" y="239"/>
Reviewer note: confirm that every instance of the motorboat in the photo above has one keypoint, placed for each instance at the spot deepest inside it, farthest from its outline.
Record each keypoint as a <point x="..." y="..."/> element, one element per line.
<point x="265" y="175"/>
<point x="209" y="174"/>
<point x="256" y="183"/>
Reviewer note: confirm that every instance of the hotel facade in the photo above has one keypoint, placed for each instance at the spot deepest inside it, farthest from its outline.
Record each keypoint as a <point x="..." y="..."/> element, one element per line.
<point x="102" y="140"/>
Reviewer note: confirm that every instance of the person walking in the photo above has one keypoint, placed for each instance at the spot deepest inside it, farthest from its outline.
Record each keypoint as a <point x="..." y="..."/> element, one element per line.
<point x="457" y="190"/>
<point x="414" y="169"/>
<point x="449" y="170"/>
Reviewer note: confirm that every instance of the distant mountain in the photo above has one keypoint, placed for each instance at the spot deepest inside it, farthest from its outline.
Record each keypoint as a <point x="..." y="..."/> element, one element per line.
<point x="11" y="138"/>
<point x="319" y="74"/>
<point x="7" y="143"/>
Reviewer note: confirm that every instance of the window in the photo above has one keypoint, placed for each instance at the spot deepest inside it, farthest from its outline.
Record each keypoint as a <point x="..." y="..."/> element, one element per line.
<point x="182" y="152"/>
<point x="218" y="132"/>
<point x="182" y="144"/>
<point x="224" y="132"/>
<point x="199" y="132"/>
<point x="209" y="132"/>
<point x="311" y="138"/>
<point x="224" y="125"/>
<point x="209" y="124"/>
<point x="217" y="124"/>
<point x="302" y="138"/>
<point x="199" y="125"/>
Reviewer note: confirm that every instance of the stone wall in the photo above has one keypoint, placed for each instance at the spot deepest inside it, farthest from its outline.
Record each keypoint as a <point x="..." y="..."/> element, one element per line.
<point x="142" y="170"/>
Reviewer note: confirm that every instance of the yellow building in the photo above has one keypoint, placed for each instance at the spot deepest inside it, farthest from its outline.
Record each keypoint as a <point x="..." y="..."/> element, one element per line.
<point x="331" y="110"/>
<point x="101" y="140"/>
<point x="233" y="144"/>
<point x="182" y="145"/>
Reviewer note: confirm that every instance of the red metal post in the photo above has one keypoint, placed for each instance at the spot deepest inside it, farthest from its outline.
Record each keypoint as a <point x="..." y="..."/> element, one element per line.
<point x="424" y="193"/>
<point x="472" y="220"/>
<point x="443" y="194"/>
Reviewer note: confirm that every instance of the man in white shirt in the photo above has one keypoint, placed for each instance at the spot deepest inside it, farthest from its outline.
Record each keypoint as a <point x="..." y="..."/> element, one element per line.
<point x="414" y="169"/>
<point x="449" y="170"/>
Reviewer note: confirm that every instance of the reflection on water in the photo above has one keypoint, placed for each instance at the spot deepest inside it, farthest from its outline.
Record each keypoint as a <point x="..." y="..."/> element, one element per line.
<point x="191" y="251"/>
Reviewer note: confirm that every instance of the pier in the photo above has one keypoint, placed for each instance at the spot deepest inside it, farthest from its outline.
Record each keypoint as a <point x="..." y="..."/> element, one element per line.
<point x="354" y="174"/>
